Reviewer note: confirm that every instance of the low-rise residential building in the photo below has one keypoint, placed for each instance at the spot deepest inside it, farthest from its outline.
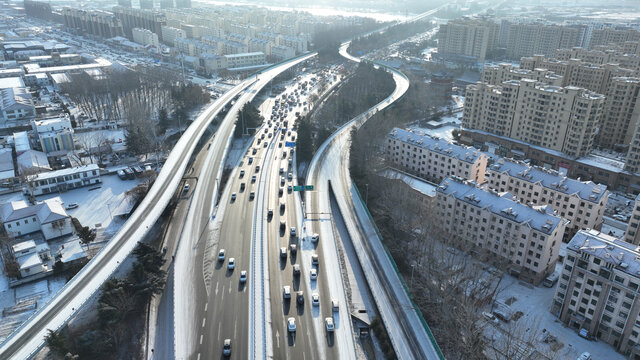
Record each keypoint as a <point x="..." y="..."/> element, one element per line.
<point x="434" y="159"/>
<point x="21" y="142"/>
<point x="31" y="258"/>
<point x="32" y="162"/>
<point x="170" y="34"/>
<point x="597" y="293"/>
<point x="245" y="59"/>
<point x="7" y="170"/>
<point x="63" y="180"/>
<point x="493" y="224"/>
<point x="16" y="104"/>
<point x="582" y="203"/>
<point x="48" y="216"/>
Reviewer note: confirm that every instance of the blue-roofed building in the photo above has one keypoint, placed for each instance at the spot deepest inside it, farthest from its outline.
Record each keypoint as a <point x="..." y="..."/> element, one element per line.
<point x="581" y="202"/>
<point x="494" y="224"/>
<point x="434" y="159"/>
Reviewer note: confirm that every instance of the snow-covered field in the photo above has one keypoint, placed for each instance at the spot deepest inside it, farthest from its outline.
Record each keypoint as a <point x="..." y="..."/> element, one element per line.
<point x="534" y="303"/>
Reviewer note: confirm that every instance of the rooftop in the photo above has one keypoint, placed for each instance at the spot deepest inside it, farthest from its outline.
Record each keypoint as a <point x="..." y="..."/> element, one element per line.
<point x="11" y="82"/>
<point x="25" y="245"/>
<point x="64" y="172"/>
<point x="47" y="211"/>
<point x="467" y="154"/>
<point x="550" y="179"/>
<point x="623" y="255"/>
<point x="540" y="218"/>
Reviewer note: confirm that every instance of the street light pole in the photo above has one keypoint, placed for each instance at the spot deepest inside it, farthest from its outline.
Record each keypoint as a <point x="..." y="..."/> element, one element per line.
<point x="413" y="267"/>
<point x="366" y="198"/>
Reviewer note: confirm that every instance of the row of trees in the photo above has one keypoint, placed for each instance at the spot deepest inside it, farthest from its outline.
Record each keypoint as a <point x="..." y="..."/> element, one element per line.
<point x="249" y="119"/>
<point x="365" y="44"/>
<point x="121" y="309"/>
<point x="365" y="88"/>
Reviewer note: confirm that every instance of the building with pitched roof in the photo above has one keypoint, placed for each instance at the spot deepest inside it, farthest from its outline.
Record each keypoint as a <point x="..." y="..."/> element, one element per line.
<point x="597" y="293"/>
<point x="7" y="170"/>
<point x="434" y="159"/>
<point x="16" y="104"/>
<point x="581" y="202"/>
<point x="489" y="223"/>
<point x="63" y="180"/>
<point x="48" y="216"/>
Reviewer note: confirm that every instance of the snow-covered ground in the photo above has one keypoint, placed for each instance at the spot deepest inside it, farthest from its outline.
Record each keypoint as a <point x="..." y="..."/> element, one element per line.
<point x="534" y="303"/>
<point x="93" y="138"/>
<point x="445" y="131"/>
<point x="94" y="206"/>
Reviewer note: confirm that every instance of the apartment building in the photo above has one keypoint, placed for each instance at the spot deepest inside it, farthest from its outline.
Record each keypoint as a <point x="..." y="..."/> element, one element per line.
<point x="54" y="135"/>
<point x="434" y="159"/>
<point x="632" y="235"/>
<point x="621" y="113"/>
<point x="62" y="180"/>
<point x="486" y="222"/>
<point x="608" y="36"/>
<point x="497" y="74"/>
<point x="468" y="37"/>
<point x="597" y="294"/>
<point x="145" y="37"/>
<point x="626" y="58"/>
<point x="140" y="18"/>
<point x="582" y="203"/>
<point x="93" y="22"/>
<point x="560" y="118"/>
<point x="527" y="39"/>
<point x="170" y="34"/>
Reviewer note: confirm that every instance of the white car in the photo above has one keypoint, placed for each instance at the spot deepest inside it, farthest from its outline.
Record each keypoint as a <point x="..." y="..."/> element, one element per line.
<point x="291" y="324"/>
<point x="314" y="274"/>
<point x="315" y="299"/>
<point x="221" y="255"/>
<point x="286" y="292"/>
<point x="232" y="264"/>
<point x="315" y="237"/>
<point x="243" y="276"/>
<point x="329" y="324"/>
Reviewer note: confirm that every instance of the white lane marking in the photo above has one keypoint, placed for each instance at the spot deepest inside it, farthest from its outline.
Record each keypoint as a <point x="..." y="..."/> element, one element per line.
<point x="204" y="320"/>
<point x="219" y="328"/>
<point x="216" y="288"/>
<point x="201" y="336"/>
<point x="206" y="305"/>
<point x="198" y="356"/>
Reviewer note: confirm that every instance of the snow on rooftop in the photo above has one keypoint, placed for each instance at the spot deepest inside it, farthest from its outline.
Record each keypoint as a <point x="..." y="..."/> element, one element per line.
<point x="415" y="183"/>
<point x="25" y="245"/>
<point x="550" y="179"/>
<point x="539" y="219"/>
<point x="623" y="255"/>
<point x="441" y="146"/>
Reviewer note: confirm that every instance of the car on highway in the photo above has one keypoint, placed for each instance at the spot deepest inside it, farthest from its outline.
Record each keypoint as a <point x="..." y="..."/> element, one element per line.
<point x="293" y="248"/>
<point x="242" y="186"/>
<point x="257" y="168"/>
<point x="315" y="299"/>
<point x="290" y="176"/>
<point x="329" y="324"/>
<point x="286" y="292"/>
<point x="315" y="237"/>
<point x="254" y="151"/>
<point x="315" y="260"/>
<point x="233" y="197"/>
<point x="280" y="192"/>
<point x="282" y="180"/>
<point x="289" y="188"/>
<point x="252" y="195"/>
<point x="243" y="276"/>
<point x="270" y="214"/>
<point x="241" y="174"/>
<point x="265" y="144"/>
<point x="292" y="232"/>
<point x="250" y="160"/>
<point x="283" y="252"/>
<point x="226" y="347"/>
<point x="283" y="225"/>
<point x="253" y="179"/>
<point x="291" y="324"/>
<point x="281" y="170"/>
<point x="186" y="188"/>
<point x="221" y="255"/>
<point x="282" y="206"/>
<point x="314" y="274"/>
<point x="300" y="297"/>
<point x="296" y="269"/>
<point x="334" y="305"/>
<point x="232" y="264"/>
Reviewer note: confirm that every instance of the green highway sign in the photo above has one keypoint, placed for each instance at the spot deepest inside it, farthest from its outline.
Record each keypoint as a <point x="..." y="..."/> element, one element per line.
<point x="308" y="187"/>
<point x="298" y="188"/>
<point x="303" y="187"/>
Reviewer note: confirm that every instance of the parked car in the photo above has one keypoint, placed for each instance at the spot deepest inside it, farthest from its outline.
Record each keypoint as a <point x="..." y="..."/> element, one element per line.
<point x="130" y="174"/>
<point x="71" y="206"/>
<point x="315" y="237"/>
<point x="122" y="175"/>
